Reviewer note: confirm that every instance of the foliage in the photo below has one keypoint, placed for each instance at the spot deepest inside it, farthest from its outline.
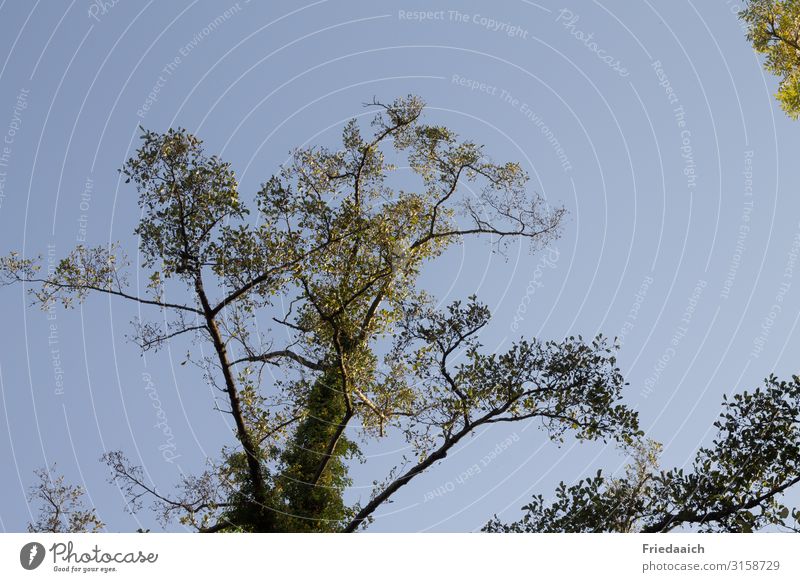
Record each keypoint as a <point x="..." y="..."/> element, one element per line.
<point x="774" y="30"/>
<point x="61" y="507"/>
<point x="333" y="255"/>
<point x="368" y="353"/>
<point x="734" y="486"/>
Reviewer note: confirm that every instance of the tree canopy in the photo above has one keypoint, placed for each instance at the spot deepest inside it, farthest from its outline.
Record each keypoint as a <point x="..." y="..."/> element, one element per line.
<point x="330" y="251"/>
<point x="368" y="352"/>
<point x="774" y="30"/>
<point x="735" y="485"/>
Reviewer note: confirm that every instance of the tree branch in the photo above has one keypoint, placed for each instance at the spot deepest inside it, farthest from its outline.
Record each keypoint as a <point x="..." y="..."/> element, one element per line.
<point x="278" y="354"/>
<point x="163" y="305"/>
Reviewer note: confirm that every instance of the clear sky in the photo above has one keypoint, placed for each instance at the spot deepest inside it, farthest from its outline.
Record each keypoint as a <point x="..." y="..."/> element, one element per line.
<point x="652" y="122"/>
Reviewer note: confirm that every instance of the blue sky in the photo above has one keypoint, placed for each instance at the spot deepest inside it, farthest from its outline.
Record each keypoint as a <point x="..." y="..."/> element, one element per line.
<point x="652" y="122"/>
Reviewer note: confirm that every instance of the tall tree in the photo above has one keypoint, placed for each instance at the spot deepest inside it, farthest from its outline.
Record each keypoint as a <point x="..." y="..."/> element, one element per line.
<point x="774" y="30"/>
<point x="368" y="353"/>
